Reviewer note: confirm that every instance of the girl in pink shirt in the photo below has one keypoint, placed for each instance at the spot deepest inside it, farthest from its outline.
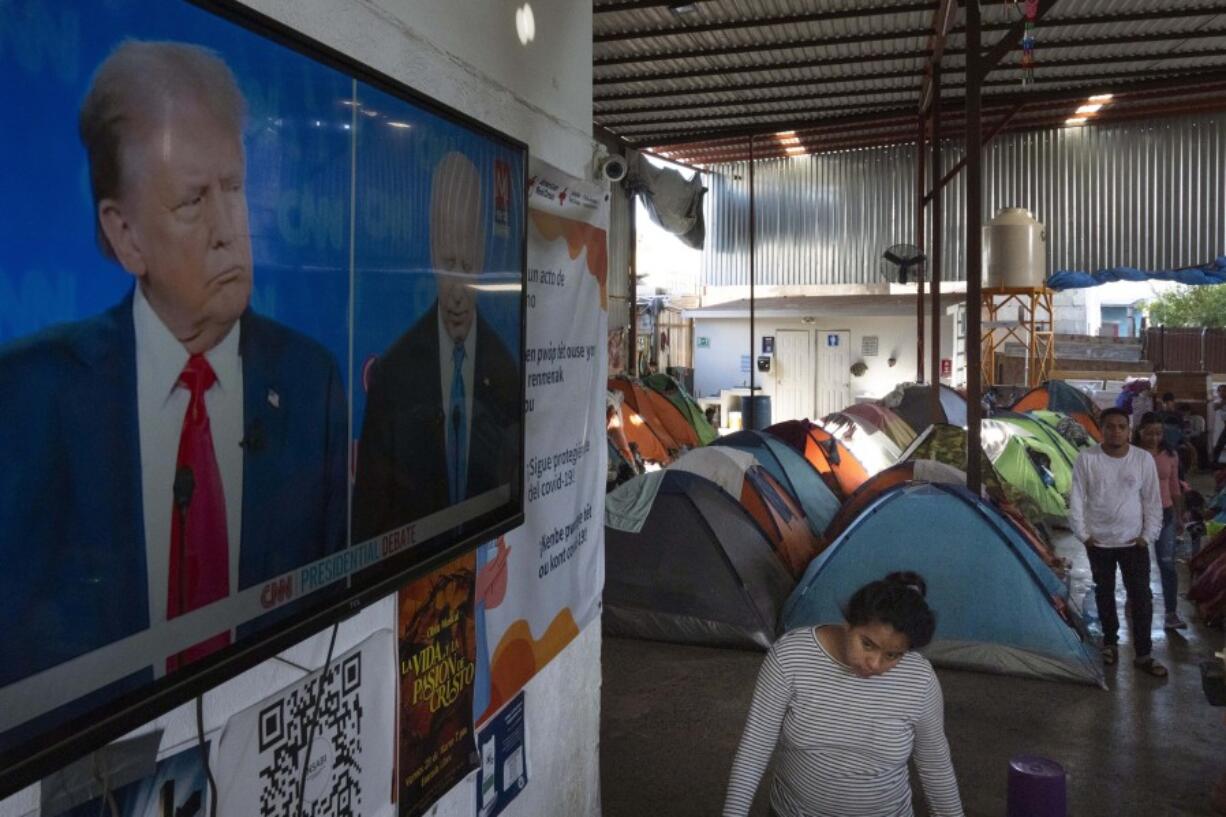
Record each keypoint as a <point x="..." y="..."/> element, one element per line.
<point x="1149" y="436"/>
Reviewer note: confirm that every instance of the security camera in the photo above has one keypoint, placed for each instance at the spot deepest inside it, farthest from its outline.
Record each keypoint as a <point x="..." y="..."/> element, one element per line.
<point x="613" y="168"/>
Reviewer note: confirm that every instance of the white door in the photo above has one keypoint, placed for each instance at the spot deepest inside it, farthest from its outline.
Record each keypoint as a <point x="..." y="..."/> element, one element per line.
<point x="793" y="366"/>
<point x="833" y="370"/>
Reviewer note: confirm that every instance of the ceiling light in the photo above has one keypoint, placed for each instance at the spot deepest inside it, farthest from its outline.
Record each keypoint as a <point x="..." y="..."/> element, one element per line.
<point x="791" y="140"/>
<point x="1075" y="121"/>
<point x="783" y="134"/>
<point x="683" y="8"/>
<point x="1093" y="108"/>
<point x="400" y="124"/>
<point x="795" y="150"/>
<point x="1102" y="97"/>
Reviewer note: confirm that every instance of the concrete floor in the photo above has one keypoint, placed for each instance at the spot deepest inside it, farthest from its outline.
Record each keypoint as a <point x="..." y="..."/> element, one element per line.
<point x="672" y="716"/>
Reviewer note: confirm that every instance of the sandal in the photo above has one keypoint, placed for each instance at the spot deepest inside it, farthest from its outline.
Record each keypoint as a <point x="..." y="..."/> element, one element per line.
<point x="1111" y="654"/>
<point x="1150" y="666"/>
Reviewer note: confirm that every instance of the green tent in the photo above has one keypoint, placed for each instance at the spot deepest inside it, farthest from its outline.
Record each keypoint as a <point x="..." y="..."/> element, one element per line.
<point x="1065" y="426"/>
<point x="679" y="397"/>
<point x="1039" y="437"/>
<point x="1030" y="463"/>
<point x="1009" y="475"/>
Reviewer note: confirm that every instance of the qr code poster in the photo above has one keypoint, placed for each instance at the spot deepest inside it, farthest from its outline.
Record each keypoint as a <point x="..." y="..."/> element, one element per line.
<point x="349" y="766"/>
<point x="437" y="668"/>
<point x="179" y="787"/>
<point x="503" y="744"/>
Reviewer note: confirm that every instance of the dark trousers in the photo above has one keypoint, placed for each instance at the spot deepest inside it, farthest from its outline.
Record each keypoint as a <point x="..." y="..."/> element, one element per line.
<point x="1133" y="563"/>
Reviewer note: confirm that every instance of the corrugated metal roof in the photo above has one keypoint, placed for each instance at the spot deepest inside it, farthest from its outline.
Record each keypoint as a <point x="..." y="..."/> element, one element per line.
<point x="736" y="67"/>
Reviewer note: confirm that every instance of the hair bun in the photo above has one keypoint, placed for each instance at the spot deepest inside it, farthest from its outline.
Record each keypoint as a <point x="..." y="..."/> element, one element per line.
<point x="910" y="580"/>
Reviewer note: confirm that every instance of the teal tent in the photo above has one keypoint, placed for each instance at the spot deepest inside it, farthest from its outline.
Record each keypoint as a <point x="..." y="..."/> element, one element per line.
<point x="791" y="470"/>
<point x="999" y="608"/>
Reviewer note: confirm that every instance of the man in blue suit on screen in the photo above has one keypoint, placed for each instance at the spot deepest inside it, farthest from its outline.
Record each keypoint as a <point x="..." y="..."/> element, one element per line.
<point x="178" y="448"/>
<point x="442" y="420"/>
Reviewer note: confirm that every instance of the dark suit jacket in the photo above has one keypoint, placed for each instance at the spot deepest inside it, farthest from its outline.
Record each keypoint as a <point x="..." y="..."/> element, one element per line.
<point x="72" y="539"/>
<point x="402" y="457"/>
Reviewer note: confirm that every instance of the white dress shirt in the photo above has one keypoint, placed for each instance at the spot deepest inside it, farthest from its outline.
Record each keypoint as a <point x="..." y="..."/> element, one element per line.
<point x="162" y="404"/>
<point x="1115" y="499"/>
<point x="446" y="364"/>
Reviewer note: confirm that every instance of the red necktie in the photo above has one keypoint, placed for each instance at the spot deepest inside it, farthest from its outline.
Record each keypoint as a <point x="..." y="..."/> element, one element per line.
<point x="199" y="551"/>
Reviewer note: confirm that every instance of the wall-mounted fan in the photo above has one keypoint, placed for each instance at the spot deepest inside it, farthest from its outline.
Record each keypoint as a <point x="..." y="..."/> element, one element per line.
<point x="903" y="264"/>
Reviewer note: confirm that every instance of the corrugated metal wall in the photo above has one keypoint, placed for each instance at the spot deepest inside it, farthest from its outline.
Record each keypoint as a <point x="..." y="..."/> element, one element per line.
<point x="1149" y="195"/>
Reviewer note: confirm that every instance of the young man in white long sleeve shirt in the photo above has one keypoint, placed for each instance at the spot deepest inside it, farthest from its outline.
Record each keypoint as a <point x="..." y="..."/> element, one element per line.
<point x="1115" y="508"/>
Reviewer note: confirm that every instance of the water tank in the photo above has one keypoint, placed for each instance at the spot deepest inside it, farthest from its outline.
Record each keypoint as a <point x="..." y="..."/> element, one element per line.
<point x="1014" y="250"/>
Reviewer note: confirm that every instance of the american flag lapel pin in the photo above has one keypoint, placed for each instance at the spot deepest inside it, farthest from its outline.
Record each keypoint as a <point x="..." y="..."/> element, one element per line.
<point x="274" y="399"/>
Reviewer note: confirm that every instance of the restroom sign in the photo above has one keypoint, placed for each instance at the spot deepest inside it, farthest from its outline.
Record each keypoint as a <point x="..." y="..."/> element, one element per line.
<point x="832" y="340"/>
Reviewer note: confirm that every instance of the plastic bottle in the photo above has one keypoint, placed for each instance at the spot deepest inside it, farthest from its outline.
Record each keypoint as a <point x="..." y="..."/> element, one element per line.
<point x="1089" y="613"/>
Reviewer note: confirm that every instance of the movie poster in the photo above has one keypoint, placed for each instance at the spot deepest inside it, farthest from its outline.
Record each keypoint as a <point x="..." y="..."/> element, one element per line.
<point x="437" y="667"/>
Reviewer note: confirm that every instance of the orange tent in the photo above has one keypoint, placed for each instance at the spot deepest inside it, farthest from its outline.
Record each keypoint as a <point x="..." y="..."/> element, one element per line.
<point x="670" y="416"/>
<point x="1056" y="395"/>
<point x="625" y="426"/>
<point x="645" y="409"/>
<point x="776" y="511"/>
<point x="842" y="471"/>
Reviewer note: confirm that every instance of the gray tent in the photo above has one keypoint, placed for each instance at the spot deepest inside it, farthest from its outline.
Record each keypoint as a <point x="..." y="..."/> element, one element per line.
<point x="692" y="568"/>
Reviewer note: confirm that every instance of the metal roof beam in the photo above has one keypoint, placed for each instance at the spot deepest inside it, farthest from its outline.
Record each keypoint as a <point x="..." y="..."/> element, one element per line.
<point x="1186" y="82"/>
<point x="1082" y="62"/>
<point x="1199" y="34"/>
<point x="758" y="86"/>
<point x="1012" y="36"/>
<point x="907" y="136"/>
<point x="1071" y="83"/>
<point x="901" y="128"/>
<point x="638" y="5"/>
<point x="942" y="14"/>
<point x="851" y="92"/>
<point x="765" y="22"/>
<point x="755" y="48"/>
<point x="703" y="73"/>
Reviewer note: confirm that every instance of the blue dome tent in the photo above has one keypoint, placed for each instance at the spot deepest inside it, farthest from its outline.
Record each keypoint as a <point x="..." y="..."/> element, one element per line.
<point x="999" y="608"/>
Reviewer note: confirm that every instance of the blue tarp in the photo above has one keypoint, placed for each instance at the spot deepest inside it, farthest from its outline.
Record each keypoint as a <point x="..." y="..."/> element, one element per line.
<point x="1213" y="272"/>
<point x="792" y="471"/>
<point x="994" y="598"/>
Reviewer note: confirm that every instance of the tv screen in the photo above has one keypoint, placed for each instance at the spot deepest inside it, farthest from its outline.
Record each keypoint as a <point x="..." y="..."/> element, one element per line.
<point x="261" y="324"/>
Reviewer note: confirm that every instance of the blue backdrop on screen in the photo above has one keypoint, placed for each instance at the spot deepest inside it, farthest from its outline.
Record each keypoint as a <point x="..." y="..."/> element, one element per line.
<point x="298" y="150"/>
<point x="300" y="123"/>
<point x="338" y="195"/>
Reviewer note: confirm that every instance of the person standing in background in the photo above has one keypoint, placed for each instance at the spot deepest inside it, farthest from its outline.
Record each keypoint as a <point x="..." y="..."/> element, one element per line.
<point x="1149" y="437"/>
<point x="1115" y="509"/>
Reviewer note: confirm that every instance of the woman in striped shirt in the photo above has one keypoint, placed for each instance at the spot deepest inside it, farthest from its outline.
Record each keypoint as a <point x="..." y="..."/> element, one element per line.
<point x="848" y="705"/>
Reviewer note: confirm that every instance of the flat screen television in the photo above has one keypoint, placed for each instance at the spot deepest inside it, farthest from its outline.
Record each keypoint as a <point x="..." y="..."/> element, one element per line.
<point x="261" y="325"/>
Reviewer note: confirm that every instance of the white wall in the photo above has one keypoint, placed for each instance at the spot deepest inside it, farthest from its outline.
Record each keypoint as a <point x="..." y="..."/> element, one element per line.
<point x="466" y="54"/>
<point x="718" y="366"/>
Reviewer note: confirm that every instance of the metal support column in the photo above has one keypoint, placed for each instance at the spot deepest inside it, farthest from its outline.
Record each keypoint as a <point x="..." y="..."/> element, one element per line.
<point x="974" y="247"/>
<point x="938" y="229"/>
<point x="632" y="364"/>
<point x="752" y="408"/>
<point x="921" y="182"/>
